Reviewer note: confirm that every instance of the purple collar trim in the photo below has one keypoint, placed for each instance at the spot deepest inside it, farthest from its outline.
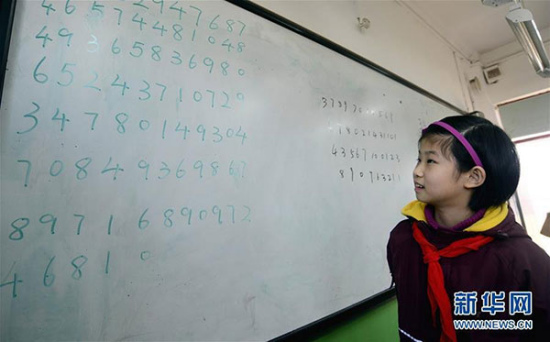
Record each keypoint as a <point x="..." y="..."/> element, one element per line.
<point x="462" y="140"/>
<point x="429" y="212"/>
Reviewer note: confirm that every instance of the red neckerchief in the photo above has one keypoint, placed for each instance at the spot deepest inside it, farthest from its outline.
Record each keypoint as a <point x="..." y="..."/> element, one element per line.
<point x="436" y="286"/>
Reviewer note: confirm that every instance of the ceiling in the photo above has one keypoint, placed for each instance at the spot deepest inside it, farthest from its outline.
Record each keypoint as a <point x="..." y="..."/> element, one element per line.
<point x="474" y="29"/>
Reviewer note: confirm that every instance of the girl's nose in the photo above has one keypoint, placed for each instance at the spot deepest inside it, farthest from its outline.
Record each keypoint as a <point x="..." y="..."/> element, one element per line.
<point x="418" y="171"/>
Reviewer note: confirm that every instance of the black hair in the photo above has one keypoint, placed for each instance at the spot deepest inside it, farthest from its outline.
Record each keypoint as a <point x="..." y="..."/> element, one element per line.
<point x="495" y="149"/>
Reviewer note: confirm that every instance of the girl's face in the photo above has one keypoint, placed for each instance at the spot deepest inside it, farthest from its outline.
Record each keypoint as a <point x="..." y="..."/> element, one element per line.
<point x="436" y="177"/>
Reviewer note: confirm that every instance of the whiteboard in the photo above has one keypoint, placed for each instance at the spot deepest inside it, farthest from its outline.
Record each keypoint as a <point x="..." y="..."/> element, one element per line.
<point x="192" y="171"/>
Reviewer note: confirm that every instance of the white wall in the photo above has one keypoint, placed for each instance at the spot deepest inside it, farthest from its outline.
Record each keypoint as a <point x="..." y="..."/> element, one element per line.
<point x="518" y="79"/>
<point x="396" y="40"/>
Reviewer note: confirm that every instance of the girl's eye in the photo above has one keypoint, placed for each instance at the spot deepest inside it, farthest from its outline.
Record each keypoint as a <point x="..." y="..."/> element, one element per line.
<point x="431" y="161"/>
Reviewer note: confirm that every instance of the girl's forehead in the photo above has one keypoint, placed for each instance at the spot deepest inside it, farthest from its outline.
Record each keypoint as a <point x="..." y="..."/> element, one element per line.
<point x="436" y="145"/>
<point x="430" y="145"/>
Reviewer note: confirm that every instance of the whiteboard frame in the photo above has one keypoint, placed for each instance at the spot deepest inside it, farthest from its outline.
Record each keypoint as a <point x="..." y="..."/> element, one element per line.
<point x="325" y="324"/>
<point x="7" y="12"/>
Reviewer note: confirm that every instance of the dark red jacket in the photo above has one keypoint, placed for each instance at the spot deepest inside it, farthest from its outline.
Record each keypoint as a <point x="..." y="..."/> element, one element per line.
<point x="512" y="262"/>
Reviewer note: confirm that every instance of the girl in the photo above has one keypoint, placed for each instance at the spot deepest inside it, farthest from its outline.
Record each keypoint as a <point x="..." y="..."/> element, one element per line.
<point x="460" y="255"/>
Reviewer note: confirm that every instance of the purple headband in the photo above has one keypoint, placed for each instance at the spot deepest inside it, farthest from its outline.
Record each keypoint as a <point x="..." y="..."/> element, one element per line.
<point x="460" y="138"/>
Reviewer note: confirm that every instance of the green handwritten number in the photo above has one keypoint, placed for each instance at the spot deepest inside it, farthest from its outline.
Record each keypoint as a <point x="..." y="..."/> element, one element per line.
<point x="140" y="4"/>
<point x="226" y="103"/>
<point x="180" y="171"/>
<point x="81" y="165"/>
<point x="139" y="20"/>
<point x="241" y="134"/>
<point x="215" y="167"/>
<point x="114" y="48"/>
<point x="224" y="66"/>
<point x="139" y="47"/>
<point x="95" y="115"/>
<point x="119" y="15"/>
<point x="145" y="91"/>
<point x="217" y="134"/>
<point x="187" y="212"/>
<point x="115" y="169"/>
<point x="243" y="27"/>
<point x="217" y="211"/>
<point x="61" y="118"/>
<point x="64" y="70"/>
<point x="98" y="8"/>
<point x="122" y="85"/>
<point x="14" y="285"/>
<point x="69" y="9"/>
<point x="45" y="38"/>
<point x="160" y="28"/>
<point x="121" y="119"/>
<point x="180" y="9"/>
<point x="65" y="33"/>
<point x="145" y="166"/>
<point x="240" y="47"/>
<point x="78" y="263"/>
<point x="143" y="223"/>
<point x="18" y="226"/>
<point x="79" y="223"/>
<point x="198" y="15"/>
<point x="155" y="53"/>
<point x="232" y="207"/>
<point x="177" y="58"/>
<point x="28" y="172"/>
<point x="167" y="218"/>
<point x="48" y="7"/>
<point x="56" y="168"/>
<point x="38" y="76"/>
<point x="49" y="277"/>
<point x="198" y="166"/>
<point x="247" y="216"/>
<point x="212" y="97"/>
<point x="31" y="116"/>
<point x="162" y="92"/>
<point x="209" y="63"/>
<point x="177" y="32"/>
<point x="161" y="3"/>
<point x="213" y="25"/>
<point x="227" y="43"/>
<point x="184" y="129"/>
<point x="164" y="169"/>
<point x="230" y="23"/>
<point x="49" y="218"/>
<point x="92" y="82"/>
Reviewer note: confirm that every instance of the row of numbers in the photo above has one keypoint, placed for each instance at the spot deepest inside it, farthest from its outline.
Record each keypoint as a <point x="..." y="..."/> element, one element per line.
<point x="361" y="132"/>
<point x="48" y="278"/>
<point x="157" y="53"/>
<point x="362" y="153"/>
<point x="176" y="31"/>
<point x="369" y="175"/>
<point x="122" y="124"/>
<point x="83" y="167"/>
<point x="97" y="9"/>
<point x="329" y="102"/>
<point x="78" y="223"/>
<point x="344" y="106"/>
<point x="146" y="91"/>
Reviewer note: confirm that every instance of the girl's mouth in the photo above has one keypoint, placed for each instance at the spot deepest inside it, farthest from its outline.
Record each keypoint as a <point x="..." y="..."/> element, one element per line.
<point x="418" y="187"/>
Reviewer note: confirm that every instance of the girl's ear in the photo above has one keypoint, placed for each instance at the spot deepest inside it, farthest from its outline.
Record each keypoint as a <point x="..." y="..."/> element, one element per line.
<point x="475" y="177"/>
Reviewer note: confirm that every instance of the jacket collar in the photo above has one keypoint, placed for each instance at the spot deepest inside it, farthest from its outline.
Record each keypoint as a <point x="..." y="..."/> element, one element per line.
<point x="493" y="216"/>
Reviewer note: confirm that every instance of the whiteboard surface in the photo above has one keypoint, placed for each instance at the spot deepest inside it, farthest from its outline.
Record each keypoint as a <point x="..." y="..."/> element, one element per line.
<point x="191" y="171"/>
